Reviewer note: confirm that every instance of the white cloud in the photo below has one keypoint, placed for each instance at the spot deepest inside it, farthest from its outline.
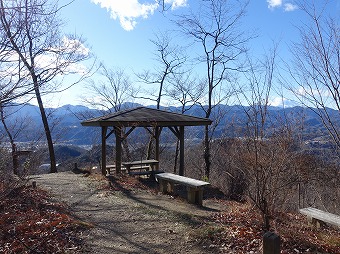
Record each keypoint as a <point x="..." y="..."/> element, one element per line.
<point x="75" y="45"/>
<point x="290" y="7"/>
<point x="282" y="102"/>
<point x="128" y="11"/>
<point x="176" y="3"/>
<point x="272" y="4"/>
<point x="53" y="60"/>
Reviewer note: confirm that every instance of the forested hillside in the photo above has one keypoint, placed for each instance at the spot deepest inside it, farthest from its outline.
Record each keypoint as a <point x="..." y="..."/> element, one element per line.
<point x="232" y="123"/>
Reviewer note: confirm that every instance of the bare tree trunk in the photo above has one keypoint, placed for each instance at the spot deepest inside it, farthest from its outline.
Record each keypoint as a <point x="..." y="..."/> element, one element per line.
<point x="46" y="127"/>
<point x="126" y="150"/>
<point x="207" y="151"/>
<point x="206" y="142"/>
<point x="11" y="140"/>
<point x="150" y="146"/>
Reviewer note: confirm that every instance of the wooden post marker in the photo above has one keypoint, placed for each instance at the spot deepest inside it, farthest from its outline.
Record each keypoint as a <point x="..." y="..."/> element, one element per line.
<point x="271" y="243"/>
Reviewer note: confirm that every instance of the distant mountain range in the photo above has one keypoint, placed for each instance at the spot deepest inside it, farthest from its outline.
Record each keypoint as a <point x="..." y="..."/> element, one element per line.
<point x="233" y="122"/>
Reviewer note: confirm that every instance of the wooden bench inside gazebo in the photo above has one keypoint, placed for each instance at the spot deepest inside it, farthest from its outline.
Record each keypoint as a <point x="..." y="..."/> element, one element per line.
<point x="122" y="123"/>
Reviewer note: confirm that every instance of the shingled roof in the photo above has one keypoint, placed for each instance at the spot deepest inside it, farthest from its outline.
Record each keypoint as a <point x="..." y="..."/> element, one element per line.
<point x="146" y="117"/>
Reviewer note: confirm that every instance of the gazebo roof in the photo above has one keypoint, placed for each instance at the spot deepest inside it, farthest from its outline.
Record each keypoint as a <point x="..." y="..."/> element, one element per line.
<point x="146" y="117"/>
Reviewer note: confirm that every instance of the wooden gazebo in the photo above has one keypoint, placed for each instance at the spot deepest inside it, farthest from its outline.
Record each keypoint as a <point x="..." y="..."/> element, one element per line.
<point x="147" y="118"/>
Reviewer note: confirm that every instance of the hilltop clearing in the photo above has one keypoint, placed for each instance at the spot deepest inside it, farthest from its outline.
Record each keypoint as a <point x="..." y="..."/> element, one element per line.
<point x="127" y="215"/>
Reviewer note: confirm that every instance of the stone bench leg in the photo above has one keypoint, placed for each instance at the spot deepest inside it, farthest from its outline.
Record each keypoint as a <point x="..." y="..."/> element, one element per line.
<point x="195" y="196"/>
<point x="316" y="223"/>
<point x="165" y="186"/>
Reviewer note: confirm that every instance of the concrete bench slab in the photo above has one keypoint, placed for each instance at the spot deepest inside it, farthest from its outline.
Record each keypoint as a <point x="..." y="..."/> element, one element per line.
<point x="194" y="187"/>
<point x="318" y="216"/>
<point x="150" y="172"/>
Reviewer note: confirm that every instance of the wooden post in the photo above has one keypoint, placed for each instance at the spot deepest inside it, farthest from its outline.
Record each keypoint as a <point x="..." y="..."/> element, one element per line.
<point x="181" y="151"/>
<point x="118" y="133"/>
<point x="271" y="243"/>
<point x="195" y="196"/>
<point x="104" y="129"/>
<point x="316" y="223"/>
<point x="162" y="185"/>
<point x="157" y="134"/>
<point x="166" y="186"/>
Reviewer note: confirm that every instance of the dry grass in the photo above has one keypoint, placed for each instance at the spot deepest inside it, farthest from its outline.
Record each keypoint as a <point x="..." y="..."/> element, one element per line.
<point x="31" y="222"/>
<point x="239" y="229"/>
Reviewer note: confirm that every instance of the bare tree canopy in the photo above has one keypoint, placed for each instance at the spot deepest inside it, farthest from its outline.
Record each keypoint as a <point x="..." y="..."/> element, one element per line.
<point x="186" y="90"/>
<point x="316" y="67"/>
<point x="37" y="51"/>
<point x="216" y="29"/>
<point x="170" y="58"/>
<point x="33" y="45"/>
<point x="110" y="90"/>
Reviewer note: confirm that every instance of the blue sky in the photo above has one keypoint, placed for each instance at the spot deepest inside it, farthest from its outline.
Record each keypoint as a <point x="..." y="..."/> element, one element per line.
<point x="118" y="32"/>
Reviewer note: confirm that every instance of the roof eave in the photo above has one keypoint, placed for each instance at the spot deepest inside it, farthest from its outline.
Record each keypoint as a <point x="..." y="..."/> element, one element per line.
<point x="144" y="124"/>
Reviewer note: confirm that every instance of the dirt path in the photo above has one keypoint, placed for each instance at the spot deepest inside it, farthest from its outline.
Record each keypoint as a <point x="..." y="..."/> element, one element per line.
<point x="133" y="222"/>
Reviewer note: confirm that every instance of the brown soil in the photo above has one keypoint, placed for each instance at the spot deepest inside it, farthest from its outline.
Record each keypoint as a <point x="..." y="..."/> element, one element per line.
<point x="130" y="220"/>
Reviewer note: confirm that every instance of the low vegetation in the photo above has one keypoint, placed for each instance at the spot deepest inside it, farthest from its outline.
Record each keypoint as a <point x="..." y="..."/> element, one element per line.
<point x="31" y="222"/>
<point x="240" y="229"/>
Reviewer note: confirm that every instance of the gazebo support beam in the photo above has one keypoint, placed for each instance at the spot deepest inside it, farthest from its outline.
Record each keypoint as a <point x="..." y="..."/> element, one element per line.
<point x="118" y="133"/>
<point x="158" y="131"/>
<point x="103" y="164"/>
<point x="181" y="150"/>
<point x="179" y="133"/>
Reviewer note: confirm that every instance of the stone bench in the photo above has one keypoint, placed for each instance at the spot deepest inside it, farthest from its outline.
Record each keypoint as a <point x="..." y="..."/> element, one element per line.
<point x="139" y="168"/>
<point x="194" y="187"/>
<point x="112" y="167"/>
<point x="145" y="173"/>
<point x="319" y="217"/>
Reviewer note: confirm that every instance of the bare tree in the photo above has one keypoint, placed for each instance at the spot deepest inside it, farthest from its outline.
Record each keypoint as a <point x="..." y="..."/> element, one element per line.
<point x="109" y="92"/>
<point x="267" y="163"/>
<point x="256" y="95"/>
<point x="315" y="81"/>
<point x="33" y="38"/>
<point x="11" y="139"/>
<point x="14" y="126"/>
<point x="170" y="58"/>
<point x="316" y="65"/>
<point x="186" y="91"/>
<point x="13" y="81"/>
<point x="216" y="29"/>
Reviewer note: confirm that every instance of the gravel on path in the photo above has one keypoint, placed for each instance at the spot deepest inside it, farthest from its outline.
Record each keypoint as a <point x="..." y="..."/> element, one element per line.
<point x="128" y="222"/>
